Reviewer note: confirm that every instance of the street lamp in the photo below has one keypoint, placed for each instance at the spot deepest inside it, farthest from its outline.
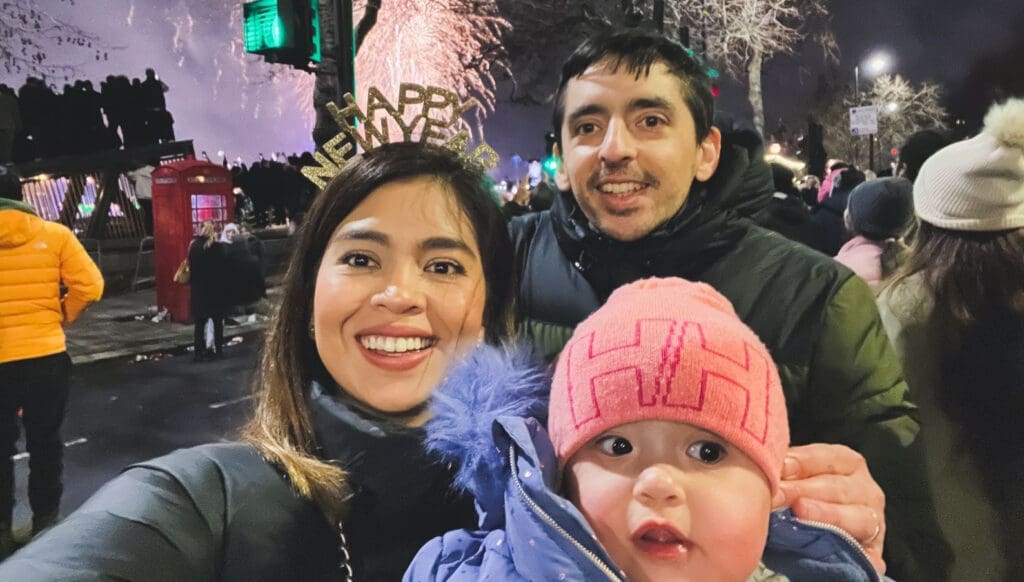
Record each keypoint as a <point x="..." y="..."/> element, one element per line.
<point x="877" y="63"/>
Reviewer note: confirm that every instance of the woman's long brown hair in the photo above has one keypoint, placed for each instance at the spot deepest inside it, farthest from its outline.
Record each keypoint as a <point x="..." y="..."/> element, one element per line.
<point x="969" y="274"/>
<point x="281" y="427"/>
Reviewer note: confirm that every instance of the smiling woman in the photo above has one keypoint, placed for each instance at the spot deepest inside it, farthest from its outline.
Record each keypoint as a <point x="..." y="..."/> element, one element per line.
<point x="399" y="293"/>
<point x="402" y="265"/>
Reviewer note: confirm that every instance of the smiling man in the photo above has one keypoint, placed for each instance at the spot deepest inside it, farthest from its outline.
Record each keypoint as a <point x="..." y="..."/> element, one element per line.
<point x="652" y="189"/>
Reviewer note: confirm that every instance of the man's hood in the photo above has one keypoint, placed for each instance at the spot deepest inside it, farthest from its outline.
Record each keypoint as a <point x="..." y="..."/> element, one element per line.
<point x="18" y="223"/>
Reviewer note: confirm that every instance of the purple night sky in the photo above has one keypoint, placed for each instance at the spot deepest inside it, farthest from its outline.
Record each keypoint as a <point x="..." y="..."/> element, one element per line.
<point x="224" y="100"/>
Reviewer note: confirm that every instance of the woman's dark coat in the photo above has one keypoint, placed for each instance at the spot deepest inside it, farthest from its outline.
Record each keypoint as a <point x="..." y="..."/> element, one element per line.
<point x="209" y="279"/>
<point x="220" y="512"/>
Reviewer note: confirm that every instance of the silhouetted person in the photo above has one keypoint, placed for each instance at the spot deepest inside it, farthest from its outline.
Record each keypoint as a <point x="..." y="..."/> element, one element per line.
<point x="38" y="103"/>
<point x="10" y="123"/>
<point x="153" y="90"/>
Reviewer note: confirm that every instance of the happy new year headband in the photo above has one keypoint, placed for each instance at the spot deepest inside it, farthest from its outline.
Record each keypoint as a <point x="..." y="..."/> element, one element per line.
<point x="437" y="116"/>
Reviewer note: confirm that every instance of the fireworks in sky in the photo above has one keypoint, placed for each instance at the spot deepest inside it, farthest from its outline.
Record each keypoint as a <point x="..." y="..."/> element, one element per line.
<point x="225" y="99"/>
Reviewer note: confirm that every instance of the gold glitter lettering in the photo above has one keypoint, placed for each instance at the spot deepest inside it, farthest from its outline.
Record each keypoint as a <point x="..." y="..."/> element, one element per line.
<point x="459" y="110"/>
<point x="438" y="98"/>
<point x="338" y="147"/>
<point x="409" y="94"/>
<point x="458" y="142"/>
<point x="408" y="130"/>
<point x="428" y="127"/>
<point x="485" y="156"/>
<point x="319" y="175"/>
<point x="375" y="100"/>
<point x="430" y="130"/>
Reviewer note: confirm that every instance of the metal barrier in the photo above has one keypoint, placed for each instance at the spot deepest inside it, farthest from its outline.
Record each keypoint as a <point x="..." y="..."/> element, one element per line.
<point x="151" y="277"/>
<point x="92" y="194"/>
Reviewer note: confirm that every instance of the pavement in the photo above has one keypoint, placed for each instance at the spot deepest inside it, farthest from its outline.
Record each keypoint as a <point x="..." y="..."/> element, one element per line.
<point x="121" y="412"/>
<point x="123" y="325"/>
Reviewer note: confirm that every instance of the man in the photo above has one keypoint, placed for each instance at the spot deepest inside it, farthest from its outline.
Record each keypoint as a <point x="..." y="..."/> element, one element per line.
<point x="36" y="256"/>
<point x="652" y="195"/>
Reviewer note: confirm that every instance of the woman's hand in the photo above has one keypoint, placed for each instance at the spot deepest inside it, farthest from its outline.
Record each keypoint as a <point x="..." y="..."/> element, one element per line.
<point x="832" y="484"/>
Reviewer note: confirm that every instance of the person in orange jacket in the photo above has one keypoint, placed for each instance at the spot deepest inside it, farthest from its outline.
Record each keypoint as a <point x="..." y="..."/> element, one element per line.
<point x="36" y="256"/>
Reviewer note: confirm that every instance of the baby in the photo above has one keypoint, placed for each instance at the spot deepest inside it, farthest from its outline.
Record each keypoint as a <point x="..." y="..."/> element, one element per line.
<point x="668" y="431"/>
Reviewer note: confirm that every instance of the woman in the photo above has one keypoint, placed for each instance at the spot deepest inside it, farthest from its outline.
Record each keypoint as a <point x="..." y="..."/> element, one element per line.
<point x="955" y="312"/>
<point x="401" y="265"/>
<point x="245" y="285"/>
<point x="878" y="214"/>
<point x="207" y="258"/>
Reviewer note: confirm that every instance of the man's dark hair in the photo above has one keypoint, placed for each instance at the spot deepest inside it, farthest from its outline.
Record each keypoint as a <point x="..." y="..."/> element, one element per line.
<point x="919" y="147"/>
<point x="638" y="51"/>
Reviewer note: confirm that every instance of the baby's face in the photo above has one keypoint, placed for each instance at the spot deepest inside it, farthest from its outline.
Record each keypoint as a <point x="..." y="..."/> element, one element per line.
<point x="670" y="501"/>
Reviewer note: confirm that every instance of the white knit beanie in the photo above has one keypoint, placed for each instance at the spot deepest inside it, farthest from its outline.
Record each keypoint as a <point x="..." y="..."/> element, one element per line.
<point x="977" y="184"/>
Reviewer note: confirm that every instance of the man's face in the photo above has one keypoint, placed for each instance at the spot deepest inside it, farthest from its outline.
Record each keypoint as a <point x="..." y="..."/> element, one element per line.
<point x="630" y="150"/>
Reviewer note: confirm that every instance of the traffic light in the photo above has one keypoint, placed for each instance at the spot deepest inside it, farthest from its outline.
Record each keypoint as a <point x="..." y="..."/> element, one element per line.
<point x="550" y="164"/>
<point x="283" y="31"/>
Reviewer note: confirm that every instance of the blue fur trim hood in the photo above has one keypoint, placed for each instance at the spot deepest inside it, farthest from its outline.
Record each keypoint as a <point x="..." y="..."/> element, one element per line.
<point x="489" y="415"/>
<point x="490" y="383"/>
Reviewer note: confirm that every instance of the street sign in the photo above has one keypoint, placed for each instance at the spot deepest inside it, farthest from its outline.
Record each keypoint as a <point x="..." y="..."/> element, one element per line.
<point x="864" y="120"/>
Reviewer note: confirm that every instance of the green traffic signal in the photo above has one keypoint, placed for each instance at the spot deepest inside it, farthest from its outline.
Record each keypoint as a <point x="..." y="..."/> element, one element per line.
<point x="263" y="27"/>
<point x="286" y="31"/>
<point x="550" y="165"/>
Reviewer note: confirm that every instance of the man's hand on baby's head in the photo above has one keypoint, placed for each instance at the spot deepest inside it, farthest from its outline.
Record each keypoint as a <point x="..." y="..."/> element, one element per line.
<point x="832" y="484"/>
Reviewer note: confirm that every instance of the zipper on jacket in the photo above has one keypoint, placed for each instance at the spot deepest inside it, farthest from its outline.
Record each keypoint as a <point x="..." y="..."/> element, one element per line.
<point x="551" y="522"/>
<point x="843" y="534"/>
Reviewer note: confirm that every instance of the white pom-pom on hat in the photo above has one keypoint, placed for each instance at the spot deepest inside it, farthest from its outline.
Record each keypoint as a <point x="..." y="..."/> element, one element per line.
<point x="977" y="184"/>
<point x="1005" y="122"/>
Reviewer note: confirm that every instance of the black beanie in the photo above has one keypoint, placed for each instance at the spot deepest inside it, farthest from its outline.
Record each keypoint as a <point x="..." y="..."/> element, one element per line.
<point x="918" y="148"/>
<point x="882" y="208"/>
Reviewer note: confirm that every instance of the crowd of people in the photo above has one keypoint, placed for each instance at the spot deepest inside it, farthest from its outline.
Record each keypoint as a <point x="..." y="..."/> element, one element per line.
<point x="41" y="121"/>
<point x="693" y="396"/>
<point x="272" y="191"/>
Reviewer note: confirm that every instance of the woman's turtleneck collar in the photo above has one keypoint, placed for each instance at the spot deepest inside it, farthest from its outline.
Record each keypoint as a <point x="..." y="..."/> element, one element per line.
<point x="401" y="494"/>
<point x="345" y="430"/>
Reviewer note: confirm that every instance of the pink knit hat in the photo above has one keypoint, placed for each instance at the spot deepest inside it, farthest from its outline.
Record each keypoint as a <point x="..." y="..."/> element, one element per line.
<point x="669" y="349"/>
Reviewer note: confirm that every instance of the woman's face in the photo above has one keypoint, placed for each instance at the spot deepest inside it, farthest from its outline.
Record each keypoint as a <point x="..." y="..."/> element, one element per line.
<point x="399" y="295"/>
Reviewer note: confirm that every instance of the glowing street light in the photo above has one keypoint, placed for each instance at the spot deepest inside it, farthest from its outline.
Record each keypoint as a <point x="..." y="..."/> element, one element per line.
<point x="892" y="107"/>
<point x="876" y="64"/>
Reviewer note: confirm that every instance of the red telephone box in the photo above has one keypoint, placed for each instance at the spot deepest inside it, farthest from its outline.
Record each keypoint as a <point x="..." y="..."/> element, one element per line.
<point x="185" y="194"/>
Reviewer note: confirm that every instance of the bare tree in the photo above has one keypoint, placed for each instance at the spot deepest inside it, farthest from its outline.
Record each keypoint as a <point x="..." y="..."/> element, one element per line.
<point x="740" y="35"/>
<point x="737" y="35"/>
<point x="28" y="33"/>
<point x="543" y="33"/>
<point x="902" y="110"/>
